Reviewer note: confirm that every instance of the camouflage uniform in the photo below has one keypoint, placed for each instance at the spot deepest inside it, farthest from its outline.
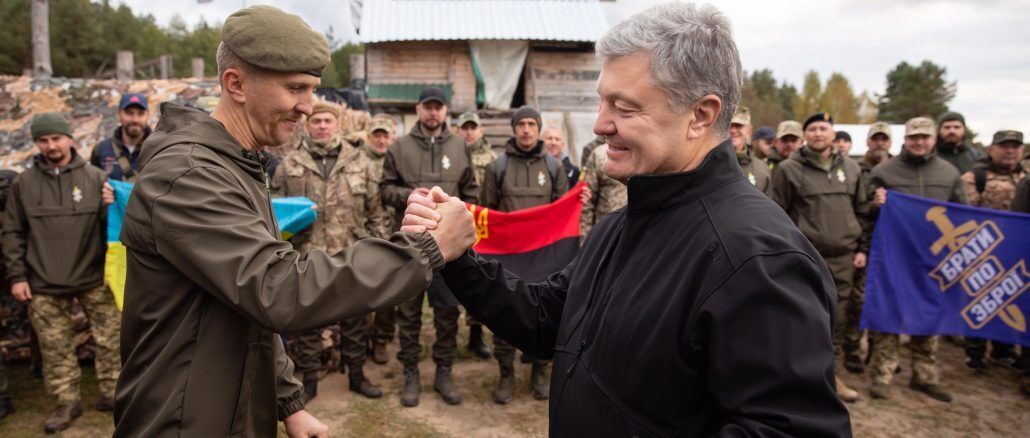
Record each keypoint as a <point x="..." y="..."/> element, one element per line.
<point x="345" y="187"/>
<point x="584" y="160"/>
<point x="885" y="358"/>
<point x="383" y="326"/>
<point x="482" y="157"/>
<point x="999" y="190"/>
<point x="50" y="315"/>
<point x="608" y="194"/>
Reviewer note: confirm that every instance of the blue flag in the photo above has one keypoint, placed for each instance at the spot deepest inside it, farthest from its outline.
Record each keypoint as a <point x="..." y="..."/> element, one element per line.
<point x="946" y="269"/>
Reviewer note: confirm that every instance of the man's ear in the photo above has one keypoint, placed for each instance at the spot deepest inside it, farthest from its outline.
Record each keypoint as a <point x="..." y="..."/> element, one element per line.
<point x="703" y="115"/>
<point x="233" y="83"/>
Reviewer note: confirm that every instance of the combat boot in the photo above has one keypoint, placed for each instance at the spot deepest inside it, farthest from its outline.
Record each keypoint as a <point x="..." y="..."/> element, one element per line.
<point x="6" y="407"/>
<point x="379" y="353"/>
<point x="853" y="363"/>
<point x="476" y="344"/>
<point x="935" y="392"/>
<point x="310" y="386"/>
<point x="105" y="404"/>
<point x="845" y="393"/>
<point x="538" y="381"/>
<point x="412" y="387"/>
<point x="445" y="386"/>
<point x="361" y="385"/>
<point x="62" y="417"/>
<point x="505" y="391"/>
<point x="880" y="391"/>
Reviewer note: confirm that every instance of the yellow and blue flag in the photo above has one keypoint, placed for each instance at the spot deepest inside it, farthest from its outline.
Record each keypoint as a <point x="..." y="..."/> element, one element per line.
<point x="292" y="214"/>
<point x="947" y="269"/>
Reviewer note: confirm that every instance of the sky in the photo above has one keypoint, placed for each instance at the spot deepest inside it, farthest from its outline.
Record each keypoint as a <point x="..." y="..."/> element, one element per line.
<point x="984" y="44"/>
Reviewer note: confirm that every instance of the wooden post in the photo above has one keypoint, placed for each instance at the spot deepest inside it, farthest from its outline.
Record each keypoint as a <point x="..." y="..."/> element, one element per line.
<point x="198" y="68"/>
<point x="41" y="66"/>
<point x="357" y="66"/>
<point x="165" y="66"/>
<point x="125" y="67"/>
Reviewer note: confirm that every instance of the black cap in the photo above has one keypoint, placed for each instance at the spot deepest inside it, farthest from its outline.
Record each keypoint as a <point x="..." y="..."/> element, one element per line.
<point x="841" y="135"/>
<point x="764" y="133"/>
<point x="817" y="117"/>
<point x="432" y="93"/>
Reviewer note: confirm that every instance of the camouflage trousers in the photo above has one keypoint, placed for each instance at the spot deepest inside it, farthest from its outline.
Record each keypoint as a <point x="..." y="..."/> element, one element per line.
<point x="885" y="358"/>
<point x="51" y="317"/>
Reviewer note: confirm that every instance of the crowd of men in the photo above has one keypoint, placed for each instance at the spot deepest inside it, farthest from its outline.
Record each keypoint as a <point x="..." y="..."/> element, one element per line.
<point x="54" y="227"/>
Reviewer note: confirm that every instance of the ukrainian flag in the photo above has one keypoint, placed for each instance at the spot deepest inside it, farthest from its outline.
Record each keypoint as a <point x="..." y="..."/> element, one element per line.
<point x="293" y="215"/>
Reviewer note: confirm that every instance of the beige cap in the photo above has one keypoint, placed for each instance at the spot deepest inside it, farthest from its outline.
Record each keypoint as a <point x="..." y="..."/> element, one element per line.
<point x="920" y="126"/>
<point x="326" y="107"/>
<point x="789" y="127"/>
<point x="879" y="128"/>
<point x="382" y="123"/>
<point x="742" y="116"/>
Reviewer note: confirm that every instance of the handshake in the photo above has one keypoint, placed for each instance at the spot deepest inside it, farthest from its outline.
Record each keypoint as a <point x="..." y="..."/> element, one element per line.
<point x="445" y="217"/>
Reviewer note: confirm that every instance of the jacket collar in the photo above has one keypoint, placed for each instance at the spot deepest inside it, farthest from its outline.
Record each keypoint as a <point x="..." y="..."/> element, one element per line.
<point x="657" y="192"/>
<point x="40" y="163"/>
<point x="908" y="158"/>
<point x="514" y="150"/>
<point x="423" y="140"/>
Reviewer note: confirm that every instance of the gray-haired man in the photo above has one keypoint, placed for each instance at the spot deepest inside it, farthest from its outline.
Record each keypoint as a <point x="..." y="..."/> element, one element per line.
<point x="682" y="315"/>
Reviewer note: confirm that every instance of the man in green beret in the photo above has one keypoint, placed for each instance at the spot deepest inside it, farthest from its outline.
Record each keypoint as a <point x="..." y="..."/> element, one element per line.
<point x="211" y="285"/>
<point x="54" y="245"/>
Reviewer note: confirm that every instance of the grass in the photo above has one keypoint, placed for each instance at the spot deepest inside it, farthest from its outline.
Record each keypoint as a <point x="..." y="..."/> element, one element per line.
<point x="33" y="405"/>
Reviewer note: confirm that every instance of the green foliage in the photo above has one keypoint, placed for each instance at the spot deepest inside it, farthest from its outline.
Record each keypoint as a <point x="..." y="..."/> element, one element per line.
<point x="811" y="97"/>
<point x="337" y="74"/>
<point x="839" y="100"/>
<point x="85" y="37"/>
<point x="769" y="103"/>
<point x="915" y="90"/>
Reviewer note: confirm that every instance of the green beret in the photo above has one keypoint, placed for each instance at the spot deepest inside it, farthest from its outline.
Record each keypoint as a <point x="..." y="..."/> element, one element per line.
<point x="50" y="123"/>
<point x="271" y="39"/>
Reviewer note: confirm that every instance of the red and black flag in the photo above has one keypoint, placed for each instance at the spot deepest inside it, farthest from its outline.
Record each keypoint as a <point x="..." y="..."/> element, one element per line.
<point x="532" y="243"/>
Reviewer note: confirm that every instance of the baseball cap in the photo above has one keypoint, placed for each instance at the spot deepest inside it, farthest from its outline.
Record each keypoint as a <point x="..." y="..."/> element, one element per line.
<point x="789" y="127"/>
<point x="130" y="99"/>
<point x="1007" y="135"/>
<point x="742" y="116"/>
<point x="841" y="135"/>
<point x="432" y="93"/>
<point x="764" y="133"/>
<point x="919" y="126"/>
<point x="879" y="128"/>
<point x="469" y="117"/>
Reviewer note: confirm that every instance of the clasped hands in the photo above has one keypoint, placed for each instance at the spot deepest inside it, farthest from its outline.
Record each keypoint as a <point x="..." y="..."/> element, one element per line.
<point x="445" y="217"/>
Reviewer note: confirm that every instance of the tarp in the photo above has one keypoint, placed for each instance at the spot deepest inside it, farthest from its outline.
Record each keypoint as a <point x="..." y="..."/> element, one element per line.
<point x="500" y="63"/>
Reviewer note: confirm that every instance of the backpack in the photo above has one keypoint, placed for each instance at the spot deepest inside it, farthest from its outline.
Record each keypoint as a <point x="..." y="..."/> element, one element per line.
<point x="501" y="168"/>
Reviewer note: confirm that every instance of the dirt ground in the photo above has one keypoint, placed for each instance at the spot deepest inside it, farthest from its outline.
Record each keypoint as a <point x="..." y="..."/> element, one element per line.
<point x="987" y="405"/>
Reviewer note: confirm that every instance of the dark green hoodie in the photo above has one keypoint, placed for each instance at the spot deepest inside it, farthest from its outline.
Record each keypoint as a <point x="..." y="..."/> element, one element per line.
<point x="54" y="227"/>
<point x="210" y="283"/>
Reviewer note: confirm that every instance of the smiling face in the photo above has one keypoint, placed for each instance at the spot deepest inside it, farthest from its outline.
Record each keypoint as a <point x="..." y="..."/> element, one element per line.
<point x="738" y="135"/>
<point x="918" y="145"/>
<point x="645" y="135"/>
<point x="322" y="126"/>
<point x="553" y="141"/>
<point x="1006" y="154"/>
<point x="275" y="103"/>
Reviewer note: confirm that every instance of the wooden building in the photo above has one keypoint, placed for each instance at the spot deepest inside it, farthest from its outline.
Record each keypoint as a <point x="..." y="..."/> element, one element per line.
<point x="488" y="55"/>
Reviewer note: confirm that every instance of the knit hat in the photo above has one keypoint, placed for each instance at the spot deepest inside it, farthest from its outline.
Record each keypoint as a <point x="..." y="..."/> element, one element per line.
<point x="950" y="116"/>
<point x="50" y="123"/>
<point x="526" y="112"/>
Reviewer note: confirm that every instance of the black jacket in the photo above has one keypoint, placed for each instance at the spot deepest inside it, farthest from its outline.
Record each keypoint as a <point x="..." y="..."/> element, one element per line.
<point x="682" y="316"/>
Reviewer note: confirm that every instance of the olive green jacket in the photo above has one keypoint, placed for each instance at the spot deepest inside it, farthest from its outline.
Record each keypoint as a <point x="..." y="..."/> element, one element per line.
<point x="527" y="181"/>
<point x="929" y="176"/>
<point x="210" y="284"/>
<point x="54" y="230"/>
<point x="830" y="207"/>
<point x="756" y="171"/>
<point x="416" y="160"/>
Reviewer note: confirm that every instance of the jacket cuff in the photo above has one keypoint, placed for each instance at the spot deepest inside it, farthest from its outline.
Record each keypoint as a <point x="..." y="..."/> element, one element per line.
<point x="290" y="405"/>
<point x="429" y="250"/>
<point x="17" y="279"/>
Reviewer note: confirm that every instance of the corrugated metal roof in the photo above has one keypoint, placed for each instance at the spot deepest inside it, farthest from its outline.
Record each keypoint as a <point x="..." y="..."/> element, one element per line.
<point x="532" y="20"/>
